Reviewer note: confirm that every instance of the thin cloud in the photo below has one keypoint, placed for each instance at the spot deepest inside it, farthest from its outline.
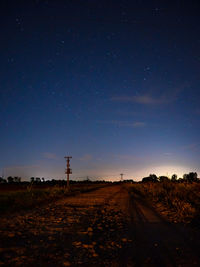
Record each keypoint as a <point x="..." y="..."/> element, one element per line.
<point x="19" y="167"/>
<point x="137" y="124"/>
<point x="48" y="155"/>
<point x="193" y="146"/>
<point x="86" y="157"/>
<point x="142" y="99"/>
<point x="127" y="157"/>
<point x="161" y="98"/>
<point x="167" y="154"/>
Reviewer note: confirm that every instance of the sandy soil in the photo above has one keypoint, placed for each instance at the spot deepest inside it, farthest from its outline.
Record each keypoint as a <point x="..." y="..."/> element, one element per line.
<point x="111" y="226"/>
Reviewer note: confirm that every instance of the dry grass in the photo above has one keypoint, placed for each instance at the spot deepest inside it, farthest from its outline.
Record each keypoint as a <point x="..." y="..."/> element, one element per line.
<point x="31" y="197"/>
<point x="179" y="202"/>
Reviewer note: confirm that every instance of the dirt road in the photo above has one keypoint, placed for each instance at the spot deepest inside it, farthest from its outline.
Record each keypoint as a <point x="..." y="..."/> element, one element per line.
<point x="111" y="226"/>
<point x="160" y="243"/>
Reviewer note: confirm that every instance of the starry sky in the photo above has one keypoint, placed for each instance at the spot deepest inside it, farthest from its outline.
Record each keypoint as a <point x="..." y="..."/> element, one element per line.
<point x="114" y="84"/>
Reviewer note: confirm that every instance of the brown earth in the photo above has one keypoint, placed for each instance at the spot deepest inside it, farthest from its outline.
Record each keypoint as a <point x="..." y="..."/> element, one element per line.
<point x="112" y="226"/>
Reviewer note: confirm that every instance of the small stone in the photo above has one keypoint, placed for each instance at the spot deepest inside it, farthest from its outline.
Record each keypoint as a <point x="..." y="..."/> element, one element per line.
<point x="11" y="234"/>
<point x="66" y="263"/>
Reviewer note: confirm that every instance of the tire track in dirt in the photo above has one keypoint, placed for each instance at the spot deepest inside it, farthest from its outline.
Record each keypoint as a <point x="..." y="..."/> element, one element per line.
<point x="157" y="243"/>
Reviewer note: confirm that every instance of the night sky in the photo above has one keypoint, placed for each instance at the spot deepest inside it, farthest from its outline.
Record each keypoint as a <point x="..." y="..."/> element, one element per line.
<point x="114" y="84"/>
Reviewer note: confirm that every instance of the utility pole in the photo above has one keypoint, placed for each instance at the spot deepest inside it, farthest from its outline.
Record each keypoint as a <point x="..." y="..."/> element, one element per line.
<point x="68" y="171"/>
<point x="121" y="174"/>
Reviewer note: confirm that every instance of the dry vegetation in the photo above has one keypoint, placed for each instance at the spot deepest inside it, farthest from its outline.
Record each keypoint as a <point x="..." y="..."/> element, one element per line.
<point x="178" y="202"/>
<point x="30" y="196"/>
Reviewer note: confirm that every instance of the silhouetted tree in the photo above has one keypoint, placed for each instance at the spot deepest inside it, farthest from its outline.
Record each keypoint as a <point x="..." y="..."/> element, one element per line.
<point x="38" y="180"/>
<point x="163" y="179"/>
<point x="174" y="177"/>
<point x="193" y="176"/>
<point x="153" y="178"/>
<point x="17" y="179"/>
<point x="150" y="178"/>
<point x="145" y="179"/>
<point x="190" y="177"/>
<point x="2" y="180"/>
<point x="10" y="179"/>
<point x="32" y="179"/>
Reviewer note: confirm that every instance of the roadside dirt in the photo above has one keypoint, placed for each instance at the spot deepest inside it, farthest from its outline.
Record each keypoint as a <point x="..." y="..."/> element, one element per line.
<point x="158" y="242"/>
<point x="111" y="226"/>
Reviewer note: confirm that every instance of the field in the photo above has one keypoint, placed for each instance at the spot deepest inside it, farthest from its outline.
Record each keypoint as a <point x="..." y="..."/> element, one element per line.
<point x="25" y="196"/>
<point x="140" y="224"/>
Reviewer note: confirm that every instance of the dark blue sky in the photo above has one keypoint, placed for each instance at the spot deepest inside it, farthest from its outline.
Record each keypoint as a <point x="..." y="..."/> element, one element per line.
<point x="114" y="84"/>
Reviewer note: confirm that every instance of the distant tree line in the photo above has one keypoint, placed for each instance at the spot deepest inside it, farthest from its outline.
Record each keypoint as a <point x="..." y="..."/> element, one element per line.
<point x="187" y="177"/>
<point x="38" y="180"/>
<point x="10" y="179"/>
